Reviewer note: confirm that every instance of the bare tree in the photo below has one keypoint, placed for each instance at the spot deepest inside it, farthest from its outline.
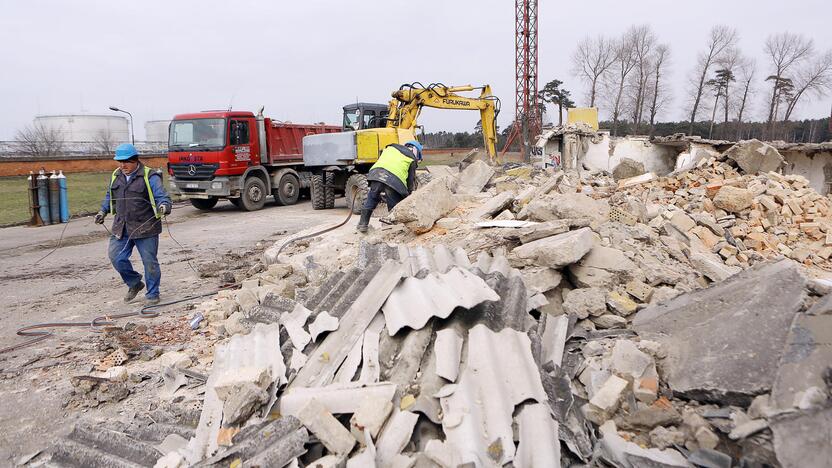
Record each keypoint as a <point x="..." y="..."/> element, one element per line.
<point x="721" y="38"/>
<point x="661" y="60"/>
<point x="784" y="50"/>
<point x="104" y="142"/>
<point x="591" y="61"/>
<point x="813" y="78"/>
<point x="747" y="70"/>
<point x="643" y="43"/>
<point x="624" y="63"/>
<point x="39" y="140"/>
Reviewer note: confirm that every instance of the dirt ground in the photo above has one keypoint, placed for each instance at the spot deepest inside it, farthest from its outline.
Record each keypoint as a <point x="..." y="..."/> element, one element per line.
<point x="77" y="283"/>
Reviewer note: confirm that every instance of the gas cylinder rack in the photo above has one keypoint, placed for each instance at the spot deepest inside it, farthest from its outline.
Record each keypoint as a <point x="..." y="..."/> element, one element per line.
<point x="48" y="201"/>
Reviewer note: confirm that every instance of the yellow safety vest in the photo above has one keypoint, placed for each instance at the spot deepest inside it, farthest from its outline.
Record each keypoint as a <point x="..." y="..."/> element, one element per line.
<point x="395" y="162"/>
<point x="146" y="183"/>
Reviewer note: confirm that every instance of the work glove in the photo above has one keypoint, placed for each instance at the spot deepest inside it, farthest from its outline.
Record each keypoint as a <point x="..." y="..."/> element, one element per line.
<point x="164" y="209"/>
<point x="99" y="217"/>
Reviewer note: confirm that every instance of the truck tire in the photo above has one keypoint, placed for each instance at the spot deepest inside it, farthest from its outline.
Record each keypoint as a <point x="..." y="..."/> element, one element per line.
<point x="322" y="193"/>
<point x="204" y="204"/>
<point x="288" y="190"/>
<point x="357" y="184"/>
<point x="254" y="194"/>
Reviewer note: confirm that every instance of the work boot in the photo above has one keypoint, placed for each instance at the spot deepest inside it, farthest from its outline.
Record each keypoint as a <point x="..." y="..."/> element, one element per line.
<point x="133" y="291"/>
<point x="364" y="222"/>
<point x="150" y="301"/>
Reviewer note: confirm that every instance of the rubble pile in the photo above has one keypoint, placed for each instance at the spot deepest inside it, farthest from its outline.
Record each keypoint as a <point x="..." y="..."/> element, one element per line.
<point x="738" y="207"/>
<point x="515" y="316"/>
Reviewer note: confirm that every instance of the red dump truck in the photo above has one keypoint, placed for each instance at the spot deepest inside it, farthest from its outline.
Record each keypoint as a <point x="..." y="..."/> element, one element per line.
<point x="238" y="156"/>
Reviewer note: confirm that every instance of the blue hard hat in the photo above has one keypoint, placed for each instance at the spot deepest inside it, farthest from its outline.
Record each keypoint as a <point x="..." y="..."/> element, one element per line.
<point x="125" y="151"/>
<point x="418" y="147"/>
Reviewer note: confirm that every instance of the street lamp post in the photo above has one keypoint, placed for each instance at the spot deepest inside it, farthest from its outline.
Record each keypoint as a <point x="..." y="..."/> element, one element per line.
<point x="132" y="131"/>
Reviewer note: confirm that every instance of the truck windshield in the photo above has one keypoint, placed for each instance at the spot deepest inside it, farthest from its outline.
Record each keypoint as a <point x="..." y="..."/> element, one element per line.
<point x="197" y="134"/>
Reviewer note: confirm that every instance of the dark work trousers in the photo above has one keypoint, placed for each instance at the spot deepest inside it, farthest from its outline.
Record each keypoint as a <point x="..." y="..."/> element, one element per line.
<point x="374" y="196"/>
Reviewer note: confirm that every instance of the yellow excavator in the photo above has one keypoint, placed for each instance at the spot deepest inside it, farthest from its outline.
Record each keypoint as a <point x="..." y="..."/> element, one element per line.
<point x="339" y="162"/>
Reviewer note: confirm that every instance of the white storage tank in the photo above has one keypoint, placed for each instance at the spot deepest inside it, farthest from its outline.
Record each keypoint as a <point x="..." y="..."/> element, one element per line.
<point x="87" y="127"/>
<point x="156" y="130"/>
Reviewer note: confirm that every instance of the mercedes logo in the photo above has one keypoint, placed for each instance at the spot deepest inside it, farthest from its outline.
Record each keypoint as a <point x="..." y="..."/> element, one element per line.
<point x="191" y="170"/>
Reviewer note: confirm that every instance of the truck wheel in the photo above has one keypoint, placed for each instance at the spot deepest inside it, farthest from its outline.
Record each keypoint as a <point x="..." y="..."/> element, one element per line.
<point x="254" y="194"/>
<point x="288" y="190"/>
<point x="323" y="195"/>
<point x="357" y="184"/>
<point x="329" y="192"/>
<point x="204" y="204"/>
<point x="317" y="192"/>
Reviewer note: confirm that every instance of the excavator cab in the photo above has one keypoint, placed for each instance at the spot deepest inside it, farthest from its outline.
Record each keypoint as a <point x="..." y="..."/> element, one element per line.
<point x="363" y="115"/>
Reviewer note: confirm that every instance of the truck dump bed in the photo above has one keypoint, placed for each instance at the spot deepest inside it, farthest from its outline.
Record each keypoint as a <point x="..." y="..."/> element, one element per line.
<point x="285" y="140"/>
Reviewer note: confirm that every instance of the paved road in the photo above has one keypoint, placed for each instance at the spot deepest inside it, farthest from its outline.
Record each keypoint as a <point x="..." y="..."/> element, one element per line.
<point x="76" y="283"/>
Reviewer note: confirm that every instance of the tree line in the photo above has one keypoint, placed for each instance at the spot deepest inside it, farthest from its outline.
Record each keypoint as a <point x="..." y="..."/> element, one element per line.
<point x="626" y="77"/>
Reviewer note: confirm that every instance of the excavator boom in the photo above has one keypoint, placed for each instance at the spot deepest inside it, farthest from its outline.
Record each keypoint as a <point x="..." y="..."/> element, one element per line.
<point x="408" y="101"/>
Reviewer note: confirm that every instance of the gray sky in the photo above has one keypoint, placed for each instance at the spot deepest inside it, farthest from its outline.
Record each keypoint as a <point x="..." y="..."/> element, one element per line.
<point x="304" y="59"/>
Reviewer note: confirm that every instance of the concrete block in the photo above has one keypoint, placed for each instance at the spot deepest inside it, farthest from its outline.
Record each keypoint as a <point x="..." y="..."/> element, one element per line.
<point x="621" y="304"/>
<point x="492" y="206"/>
<point x="585" y="302"/>
<point x="733" y="199"/>
<point x="627" y="361"/>
<point x="423" y="207"/>
<point x="748" y="315"/>
<point x="711" y="266"/>
<point x="541" y="280"/>
<point x="753" y="156"/>
<point x="603" y="267"/>
<point x="609" y="321"/>
<point x="225" y="383"/>
<point x="682" y="221"/>
<point x="609" y="395"/>
<point x="804" y="440"/>
<point x="369" y="418"/>
<point x="474" y="178"/>
<point x="627" y="168"/>
<point x="556" y="251"/>
<point x="320" y="422"/>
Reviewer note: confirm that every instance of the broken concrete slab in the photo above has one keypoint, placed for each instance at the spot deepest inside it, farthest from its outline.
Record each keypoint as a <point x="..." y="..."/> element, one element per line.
<point x="492" y="206"/>
<point x="448" y="351"/>
<point x="423" y="207"/>
<point x="567" y="206"/>
<point x="335" y="437"/>
<point x="241" y="402"/>
<point x="474" y="178"/>
<point x="628" y="361"/>
<point x="584" y="302"/>
<point x="804" y="440"/>
<point x="807" y="354"/>
<point x="603" y="267"/>
<point x="749" y="315"/>
<point x="555" y="251"/>
<point x="753" y="156"/>
<point x="606" y="321"/>
<point x="711" y="266"/>
<point x="603" y="404"/>
<point x="733" y="199"/>
<point x="627" y="168"/>
<point x="637" y="180"/>
<point x="413" y="302"/>
<point x="540" y="280"/>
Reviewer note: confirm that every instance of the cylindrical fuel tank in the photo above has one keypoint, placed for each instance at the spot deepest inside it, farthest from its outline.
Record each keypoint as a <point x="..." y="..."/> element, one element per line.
<point x="64" y="199"/>
<point x="54" y="199"/>
<point x="43" y="197"/>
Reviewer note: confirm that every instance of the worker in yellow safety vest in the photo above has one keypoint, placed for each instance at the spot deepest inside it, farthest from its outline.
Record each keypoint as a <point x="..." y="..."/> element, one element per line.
<point x="394" y="175"/>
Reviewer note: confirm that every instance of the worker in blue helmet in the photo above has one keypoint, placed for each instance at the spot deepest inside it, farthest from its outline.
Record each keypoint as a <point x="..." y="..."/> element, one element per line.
<point x="394" y="175"/>
<point x="136" y="197"/>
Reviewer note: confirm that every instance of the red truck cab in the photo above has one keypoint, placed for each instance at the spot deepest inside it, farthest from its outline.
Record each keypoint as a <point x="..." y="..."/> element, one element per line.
<point x="238" y="156"/>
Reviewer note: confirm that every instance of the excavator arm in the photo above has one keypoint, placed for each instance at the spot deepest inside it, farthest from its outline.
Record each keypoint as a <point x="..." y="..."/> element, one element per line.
<point x="408" y="101"/>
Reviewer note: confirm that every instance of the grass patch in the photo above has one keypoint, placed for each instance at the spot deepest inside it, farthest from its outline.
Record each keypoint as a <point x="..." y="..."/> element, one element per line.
<point x="85" y="191"/>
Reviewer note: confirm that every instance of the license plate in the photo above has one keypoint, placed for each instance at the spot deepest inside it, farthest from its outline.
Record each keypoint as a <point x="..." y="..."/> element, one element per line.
<point x="191" y="185"/>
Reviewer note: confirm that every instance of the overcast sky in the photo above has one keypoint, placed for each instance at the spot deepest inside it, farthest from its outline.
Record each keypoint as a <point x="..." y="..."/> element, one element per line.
<point x="304" y="59"/>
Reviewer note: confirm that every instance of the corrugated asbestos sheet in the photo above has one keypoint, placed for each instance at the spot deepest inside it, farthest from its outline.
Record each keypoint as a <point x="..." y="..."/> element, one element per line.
<point x="500" y="373"/>
<point x="415" y="300"/>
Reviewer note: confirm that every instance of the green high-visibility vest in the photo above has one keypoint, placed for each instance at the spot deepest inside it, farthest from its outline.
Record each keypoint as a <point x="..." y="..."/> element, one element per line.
<point x="394" y="161"/>
<point x="147" y="171"/>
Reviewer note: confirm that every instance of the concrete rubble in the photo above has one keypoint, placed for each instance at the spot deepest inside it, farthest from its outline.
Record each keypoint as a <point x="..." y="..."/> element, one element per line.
<point x="514" y="316"/>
